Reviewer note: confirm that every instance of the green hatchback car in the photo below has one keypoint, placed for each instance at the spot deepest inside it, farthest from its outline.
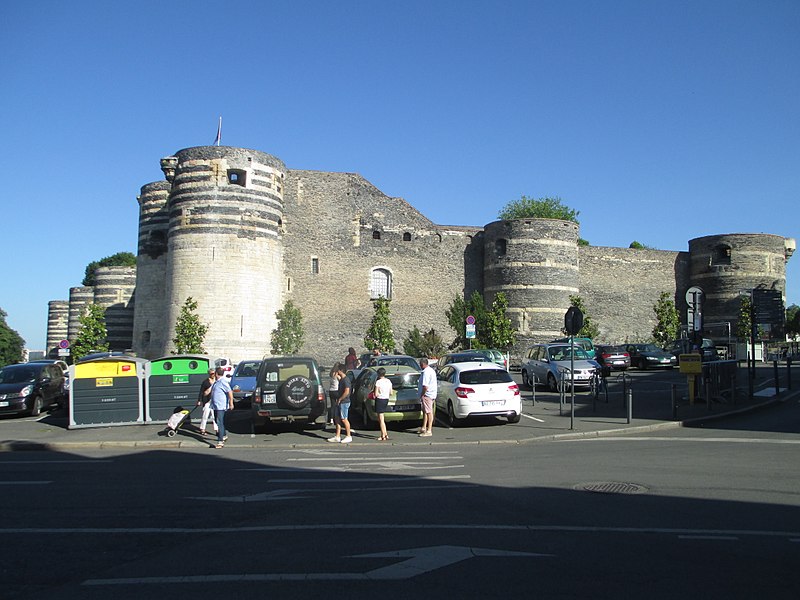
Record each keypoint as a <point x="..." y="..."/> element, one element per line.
<point x="404" y="404"/>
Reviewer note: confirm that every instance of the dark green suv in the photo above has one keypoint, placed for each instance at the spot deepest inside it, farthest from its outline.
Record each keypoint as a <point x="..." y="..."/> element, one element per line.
<point x="288" y="389"/>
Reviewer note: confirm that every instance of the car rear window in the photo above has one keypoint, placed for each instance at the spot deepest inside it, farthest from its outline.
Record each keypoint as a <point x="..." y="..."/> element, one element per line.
<point x="480" y="376"/>
<point x="282" y="372"/>
<point x="404" y="381"/>
<point x="247" y="369"/>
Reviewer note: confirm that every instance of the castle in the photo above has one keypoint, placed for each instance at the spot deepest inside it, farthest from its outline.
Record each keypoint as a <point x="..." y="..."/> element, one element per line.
<point x="241" y="234"/>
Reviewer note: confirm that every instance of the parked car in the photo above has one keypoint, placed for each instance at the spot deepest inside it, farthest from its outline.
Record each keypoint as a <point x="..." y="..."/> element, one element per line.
<point x="613" y="357"/>
<point x="383" y="360"/>
<point x="30" y="387"/>
<point x="493" y="354"/>
<point x="548" y="363"/>
<point x="404" y="403"/>
<point x="646" y="356"/>
<point x="226" y="365"/>
<point x="64" y="370"/>
<point x="288" y="389"/>
<point x="583" y="342"/>
<point x="461" y="357"/>
<point x="707" y="350"/>
<point x="243" y="382"/>
<point x="477" y="389"/>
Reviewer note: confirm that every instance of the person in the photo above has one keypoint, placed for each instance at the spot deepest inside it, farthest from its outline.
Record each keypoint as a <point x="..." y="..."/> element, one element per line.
<point x="343" y="408"/>
<point x="204" y="401"/>
<point x="427" y="396"/>
<point x="333" y="392"/>
<point x="351" y="360"/>
<point x="221" y="401"/>
<point x="383" y="391"/>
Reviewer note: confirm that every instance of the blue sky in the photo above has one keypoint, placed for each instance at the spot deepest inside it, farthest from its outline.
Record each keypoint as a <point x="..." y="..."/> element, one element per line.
<point x="660" y="121"/>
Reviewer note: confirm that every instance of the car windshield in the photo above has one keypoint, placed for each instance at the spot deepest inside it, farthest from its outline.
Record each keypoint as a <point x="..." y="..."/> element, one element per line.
<point x="649" y="348"/>
<point x="563" y="353"/>
<point x="480" y="376"/>
<point x="394" y="361"/>
<point x="17" y="375"/>
<point x="403" y="381"/>
<point x="247" y="368"/>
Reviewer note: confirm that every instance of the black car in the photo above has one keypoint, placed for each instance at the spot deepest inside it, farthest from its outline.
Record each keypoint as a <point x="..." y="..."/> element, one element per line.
<point x="29" y="388"/>
<point x="288" y="389"/>
<point x="647" y="356"/>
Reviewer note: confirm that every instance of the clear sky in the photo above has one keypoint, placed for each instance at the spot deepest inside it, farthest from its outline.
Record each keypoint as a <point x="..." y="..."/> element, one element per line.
<point x="659" y="120"/>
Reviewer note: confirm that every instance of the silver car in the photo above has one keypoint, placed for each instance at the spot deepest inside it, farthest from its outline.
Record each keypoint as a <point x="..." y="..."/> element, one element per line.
<point x="550" y="363"/>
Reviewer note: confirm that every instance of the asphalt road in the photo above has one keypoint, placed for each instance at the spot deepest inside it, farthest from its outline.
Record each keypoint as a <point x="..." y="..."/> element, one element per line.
<point x="705" y="512"/>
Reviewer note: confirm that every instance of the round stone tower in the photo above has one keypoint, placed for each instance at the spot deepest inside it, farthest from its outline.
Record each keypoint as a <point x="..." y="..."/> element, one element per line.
<point x="149" y="325"/>
<point x="535" y="263"/>
<point x="79" y="297"/>
<point x="224" y="248"/>
<point x="724" y="266"/>
<point x="113" y="291"/>
<point x="57" y="324"/>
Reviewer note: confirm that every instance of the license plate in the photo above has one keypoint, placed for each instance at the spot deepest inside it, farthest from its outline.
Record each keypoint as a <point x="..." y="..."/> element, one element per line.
<point x="493" y="403"/>
<point x="3" y="404"/>
<point x="404" y="407"/>
<point x="619" y="362"/>
<point x="270" y="399"/>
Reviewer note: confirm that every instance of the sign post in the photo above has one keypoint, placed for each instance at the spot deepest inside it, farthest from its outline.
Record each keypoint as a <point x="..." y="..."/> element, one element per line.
<point x="573" y="323"/>
<point x="470" y="332"/>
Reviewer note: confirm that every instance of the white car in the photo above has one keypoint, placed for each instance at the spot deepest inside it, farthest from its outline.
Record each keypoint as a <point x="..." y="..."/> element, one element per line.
<point x="472" y="389"/>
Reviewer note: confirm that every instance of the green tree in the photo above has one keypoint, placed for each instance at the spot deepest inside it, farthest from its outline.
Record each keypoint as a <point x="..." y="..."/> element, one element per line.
<point x="668" y="322"/>
<point x="428" y="344"/>
<point x="793" y="321"/>
<point x="541" y="208"/>
<point x="190" y="332"/>
<point x="589" y="329"/>
<point x="92" y="333"/>
<point x="744" y="323"/>
<point x="288" y="336"/>
<point x="120" y="259"/>
<point x="379" y="334"/>
<point x="457" y="314"/>
<point x="11" y="343"/>
<point x="583" y="242"/>
<point x="498" y="332"/>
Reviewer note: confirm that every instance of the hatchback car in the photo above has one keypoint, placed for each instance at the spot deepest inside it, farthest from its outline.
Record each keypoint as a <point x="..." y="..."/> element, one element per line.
<point x="647" y="356"/>
<point x="583" y="342"/>
<point x="226" y="365"/>
<point x="613" y="357"/>
<point x="288" y="389"/>
<point x="477" y="389"/>
<point x="550" y="363"/>
<point x="243" y="382"/>
<point x="404" y="403"/>
<point x="31" y="387"/>
<point x="461" y="357"/>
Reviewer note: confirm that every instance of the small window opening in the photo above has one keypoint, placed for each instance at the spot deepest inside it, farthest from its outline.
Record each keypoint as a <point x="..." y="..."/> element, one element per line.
<point x="500" y="247"/>
<point x="406" y="237"/>
<point x="315" y="265"/>
<point x="237" y="177"/>
<point x="376" y="235"/>
<point x="722" y="255"/>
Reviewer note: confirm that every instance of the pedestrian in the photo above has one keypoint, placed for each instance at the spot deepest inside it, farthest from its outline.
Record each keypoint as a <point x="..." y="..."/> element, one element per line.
<point x="221" y="401"/>
<point x="333" y="393"/>
<point x="427" y="396"/>
<point x="204" y="401"/>
<point x="383" y="391"/>
<point x="343" y="408"/>
<point x="351" y="360"/>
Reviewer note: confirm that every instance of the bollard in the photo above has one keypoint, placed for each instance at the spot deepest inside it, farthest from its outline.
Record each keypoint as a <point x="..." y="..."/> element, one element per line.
<point x="789" y="374"/>
<point x="733" y="389"/>
<point x="777" y="381"/>
<point x="629" y="397"/>
<point x="674" y="402"/>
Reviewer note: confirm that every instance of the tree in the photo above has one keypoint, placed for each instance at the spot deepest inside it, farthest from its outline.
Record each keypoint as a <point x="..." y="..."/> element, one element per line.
<point x="498" y="332"/>
<point x="428" y="344"/>
<point x="793" y="321"/>
<point x="92" y="333"/>
<point x="744" y="323"/>
<point x="11" y="343"/>
<point x="190" y="332"/>
<point x="457" y="318"/>
<point x="541" y="208"/>
<point x="589" y="329"/>
<point x="120" y="259"/>
<point x="379" y="334"/>
<point x="668" y="322"/>
<point x="583" y="242"/>
<point x="287" y="337"/>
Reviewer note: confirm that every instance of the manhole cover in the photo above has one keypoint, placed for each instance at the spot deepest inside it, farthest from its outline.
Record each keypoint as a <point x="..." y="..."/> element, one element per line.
<point x="612" y="487"/>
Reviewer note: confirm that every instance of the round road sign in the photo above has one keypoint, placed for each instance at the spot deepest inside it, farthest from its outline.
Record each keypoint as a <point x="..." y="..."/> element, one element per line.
<point x="470" y="320"/>
<point x="63" y="344"/>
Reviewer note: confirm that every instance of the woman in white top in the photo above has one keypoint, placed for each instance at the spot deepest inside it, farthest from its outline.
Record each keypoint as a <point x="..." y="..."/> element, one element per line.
<point x="383" y="390"/>
<point x="333" y="393"/>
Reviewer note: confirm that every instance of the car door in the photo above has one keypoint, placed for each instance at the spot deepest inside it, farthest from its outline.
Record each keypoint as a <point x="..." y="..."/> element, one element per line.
<point x="444" y="386"/>
<point x="538" y="363"/>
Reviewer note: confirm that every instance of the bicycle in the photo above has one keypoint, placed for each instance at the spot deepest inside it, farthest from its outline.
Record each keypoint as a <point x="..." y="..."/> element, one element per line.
<point x="598" y="385"/>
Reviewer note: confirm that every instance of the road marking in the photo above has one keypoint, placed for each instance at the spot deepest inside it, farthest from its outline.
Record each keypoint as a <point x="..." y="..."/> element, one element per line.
<point x="371" y="457"/>
<point x="24" y="482"/>
<point x="532" y="418"/>
<point x="290" y="494"/>
<point x="420" y="561"/>
<point x="365" y="477"/>
<point x="681" y="439"/>
<point x="52" y="462"/>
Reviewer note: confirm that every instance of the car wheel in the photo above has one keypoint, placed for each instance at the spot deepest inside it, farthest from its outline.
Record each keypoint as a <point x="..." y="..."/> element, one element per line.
<point x="365" y="417"/>
<point x="551" y="383"/>
<point x="514" y="418"/>
<point x="642" y="365"/>
<point x="451" y="415"/>
<point x="36" y="406"/>
<point x="297" y="392"/>
<point x="525" y="380"/>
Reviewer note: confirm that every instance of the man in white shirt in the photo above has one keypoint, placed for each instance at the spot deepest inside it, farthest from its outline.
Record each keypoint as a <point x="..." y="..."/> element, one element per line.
<point x="427" y="395"/>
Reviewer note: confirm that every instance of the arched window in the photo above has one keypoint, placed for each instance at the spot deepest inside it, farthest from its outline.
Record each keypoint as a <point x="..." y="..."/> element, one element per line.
<point x="380" y="284"/>
<point x="406" y="237"/>
<point x="500" y="247"/>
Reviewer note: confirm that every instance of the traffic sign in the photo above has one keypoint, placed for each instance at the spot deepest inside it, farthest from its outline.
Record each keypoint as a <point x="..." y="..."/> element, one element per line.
<point x="768" y="306"/>
<point x="470" y="320"/>
<point x="470" y="331"/>
<point x="63" y="344"/>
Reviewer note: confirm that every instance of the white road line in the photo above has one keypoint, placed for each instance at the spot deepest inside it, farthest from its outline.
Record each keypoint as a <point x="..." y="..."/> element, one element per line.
<point x="708" y="537"/>
<point x="532" y="418"/>
<point x="376" y="457"/>
<point x="682" y="439"/>
<point x="362" y="479"/>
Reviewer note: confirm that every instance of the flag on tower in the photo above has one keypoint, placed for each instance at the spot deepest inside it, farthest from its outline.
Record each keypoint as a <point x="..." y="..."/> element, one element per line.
<point x="219" y="133"/>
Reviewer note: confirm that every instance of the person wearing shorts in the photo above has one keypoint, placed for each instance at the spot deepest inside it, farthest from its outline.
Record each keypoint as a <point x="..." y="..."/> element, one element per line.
<point x="427" y="396"/>
<point x="343" y="408"/>
<point x="383" y="391"/>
